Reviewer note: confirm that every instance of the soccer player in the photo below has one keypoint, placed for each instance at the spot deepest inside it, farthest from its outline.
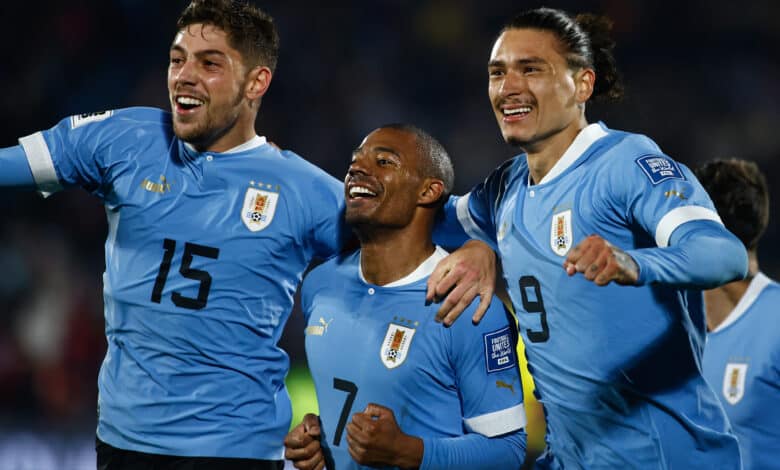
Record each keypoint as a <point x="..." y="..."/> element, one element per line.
<point x="742" y="355"/>
<point x="210" y="230"/>
<point x="604" y="241"/>
<point x="419" y="395"/>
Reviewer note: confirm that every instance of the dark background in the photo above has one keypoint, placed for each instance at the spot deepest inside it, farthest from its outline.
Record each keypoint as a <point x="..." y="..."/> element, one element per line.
<point x="703" y="80"/>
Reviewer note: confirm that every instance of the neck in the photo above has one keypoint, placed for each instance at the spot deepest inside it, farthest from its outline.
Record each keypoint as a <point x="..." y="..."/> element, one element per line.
<point x="389" y="254"/>
<point x="241" y="131"/>
<point x="721" y="301"/>
<point x="545" y="153"/>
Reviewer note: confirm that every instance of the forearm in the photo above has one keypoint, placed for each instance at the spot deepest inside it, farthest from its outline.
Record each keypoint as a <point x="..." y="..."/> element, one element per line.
<point x="14" y="170"/>
<point x="701" y="254"/>
<point x="474" y="451"/>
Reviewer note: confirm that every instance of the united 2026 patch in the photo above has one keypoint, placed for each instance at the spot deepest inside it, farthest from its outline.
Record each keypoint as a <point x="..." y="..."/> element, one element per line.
<point x="659" y="168"/>
<point x="81" y="119"/>
<point x="499" y="350"/>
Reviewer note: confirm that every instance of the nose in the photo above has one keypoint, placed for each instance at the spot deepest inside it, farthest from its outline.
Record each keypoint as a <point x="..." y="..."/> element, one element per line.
<point x="185" y="74"/>
<point x="513" y="83"/>
<point x="358" y="165"/>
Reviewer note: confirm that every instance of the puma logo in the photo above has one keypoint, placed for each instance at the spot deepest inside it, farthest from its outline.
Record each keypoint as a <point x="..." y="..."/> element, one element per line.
<point x="318" y="330"/>
<point x="502" y="384"/>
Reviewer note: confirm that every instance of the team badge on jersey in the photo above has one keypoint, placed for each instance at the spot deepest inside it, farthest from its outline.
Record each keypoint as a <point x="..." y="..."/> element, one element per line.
<point x="259" y="208"/>
<point x="81" y="119"/>
<point x="560" y="233"/>
<point x="734" y="382"/>
<point x="395" y="347"/>
<point x="659" y="168"/>
<point x="499" y="350"/>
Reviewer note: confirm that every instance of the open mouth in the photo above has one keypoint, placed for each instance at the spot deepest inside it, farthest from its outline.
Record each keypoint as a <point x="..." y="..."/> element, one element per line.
<point x="188" y="103"/>
<point x="515" y="112"/>
<point x="360" y="192"/>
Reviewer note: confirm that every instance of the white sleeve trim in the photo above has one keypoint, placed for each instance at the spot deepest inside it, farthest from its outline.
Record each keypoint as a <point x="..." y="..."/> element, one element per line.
<point x="679" y="216"/>
<point x="464" y="217"/>
<point x="41" y="163"/>
<point x="498" y="422"/>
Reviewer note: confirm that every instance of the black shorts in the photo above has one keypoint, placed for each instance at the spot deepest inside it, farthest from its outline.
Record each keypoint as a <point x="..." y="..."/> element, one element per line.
<point x="111" y="458"/>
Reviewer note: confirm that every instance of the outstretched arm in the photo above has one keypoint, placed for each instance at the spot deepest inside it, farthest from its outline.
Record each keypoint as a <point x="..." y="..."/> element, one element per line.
<point x="14" y="170"/>
<point x="375" y="439"/>
<point x="701" y="254"/>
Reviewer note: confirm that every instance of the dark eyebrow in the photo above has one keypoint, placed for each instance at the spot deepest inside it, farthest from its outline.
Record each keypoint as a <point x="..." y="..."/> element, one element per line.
<point x="206" y="52"/>
<point x="388" y="150"/>
<point x="525" y="61"/>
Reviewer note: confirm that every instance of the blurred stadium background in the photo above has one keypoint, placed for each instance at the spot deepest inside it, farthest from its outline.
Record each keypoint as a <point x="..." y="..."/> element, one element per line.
<point x="702" y="80"/>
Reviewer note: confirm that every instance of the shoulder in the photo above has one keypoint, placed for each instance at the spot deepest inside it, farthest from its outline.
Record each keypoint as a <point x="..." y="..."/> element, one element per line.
<point x="300" y="165"/>
<point x="112" y="125"/>
<point x="634" y="160"/>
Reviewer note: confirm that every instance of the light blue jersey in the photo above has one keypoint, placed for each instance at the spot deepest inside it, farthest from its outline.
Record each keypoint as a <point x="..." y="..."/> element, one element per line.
<point x="203" y="255"/>
<point x="617" y="368"/>
<point x="371" y="344"/>
<point x="742" y="363"/>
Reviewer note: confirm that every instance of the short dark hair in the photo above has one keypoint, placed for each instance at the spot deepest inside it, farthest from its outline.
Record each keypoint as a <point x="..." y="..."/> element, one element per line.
<point x="741" y="196"/>
<point x="587" y="43"/>
<point x="436" y="162"/>
<point x="250" y="30"/>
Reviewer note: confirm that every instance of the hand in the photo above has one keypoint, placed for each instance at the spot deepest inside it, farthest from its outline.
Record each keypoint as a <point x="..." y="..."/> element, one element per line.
<point x="601" y="262"/>
<point x="467" y="272"/>
<point x="375" y="439"/>
<point x="302" y="445"/>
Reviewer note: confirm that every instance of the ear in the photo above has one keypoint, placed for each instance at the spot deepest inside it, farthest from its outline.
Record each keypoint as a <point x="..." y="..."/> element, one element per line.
<point x="431" y="191"/>
<point x="258" y="81"/>
<point x="584" y="81"/>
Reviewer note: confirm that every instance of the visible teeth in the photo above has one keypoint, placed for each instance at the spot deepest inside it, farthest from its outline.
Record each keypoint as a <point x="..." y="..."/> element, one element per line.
<point x="360" y="190"/>
<point x="520" y="110"/>
<point x="187" y="101"/>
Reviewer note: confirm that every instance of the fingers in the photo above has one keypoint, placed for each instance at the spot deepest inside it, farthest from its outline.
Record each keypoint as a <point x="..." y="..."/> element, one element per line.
<point x="484" y="302"/>
<point x="601" y="262"/>
<point x="377" y="411"/>
<point x="311" y="425"/>
<point x="441" y="270"/>
<point x="456" y="302"/>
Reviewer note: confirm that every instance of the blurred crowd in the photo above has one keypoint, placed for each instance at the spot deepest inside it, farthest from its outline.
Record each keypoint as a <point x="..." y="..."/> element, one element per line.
<point x="701" y="80"/>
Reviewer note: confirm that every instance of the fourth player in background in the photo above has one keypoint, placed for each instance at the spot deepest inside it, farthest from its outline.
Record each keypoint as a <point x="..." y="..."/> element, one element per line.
<point x="742" y="355"/>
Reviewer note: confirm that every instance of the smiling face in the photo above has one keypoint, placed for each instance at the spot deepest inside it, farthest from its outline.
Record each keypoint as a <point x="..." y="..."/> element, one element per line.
<point x="210" y="90"/>
<point x="383" y="184"/>
<point x="533" y="91"/>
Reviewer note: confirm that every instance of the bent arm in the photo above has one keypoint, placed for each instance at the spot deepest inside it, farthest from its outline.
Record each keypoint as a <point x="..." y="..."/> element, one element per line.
<point x="14" y="170"/>
<point x="474" y="451"/>
<point x="701" y="254"/>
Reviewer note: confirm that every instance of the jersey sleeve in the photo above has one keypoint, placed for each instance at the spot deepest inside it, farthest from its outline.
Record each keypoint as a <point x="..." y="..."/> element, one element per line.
<point x="326" y="230"/>
<point x="14" y="170"/>
<point x="485" y="362"/>
<point x="657" y="193"/>
<point x="72" y="153"/>
<point x="475" y="212"/>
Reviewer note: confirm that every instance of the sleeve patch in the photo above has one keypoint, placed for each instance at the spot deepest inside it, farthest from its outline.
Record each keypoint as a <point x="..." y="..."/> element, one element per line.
<point x="499" y="350"/>
<point x="658" y="168"/>
<point x="81" y="119"/>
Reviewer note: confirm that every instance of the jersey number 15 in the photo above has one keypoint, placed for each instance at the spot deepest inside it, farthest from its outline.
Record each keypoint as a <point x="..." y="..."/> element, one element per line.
<point x="190" y="251"/>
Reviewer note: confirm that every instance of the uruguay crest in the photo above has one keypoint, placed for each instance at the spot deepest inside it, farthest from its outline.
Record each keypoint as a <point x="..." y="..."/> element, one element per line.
<point x="734" y="382"/>
<point x="259" y="208"/>
<point x="395" y="347"/>
<point x="560" y="233"/>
